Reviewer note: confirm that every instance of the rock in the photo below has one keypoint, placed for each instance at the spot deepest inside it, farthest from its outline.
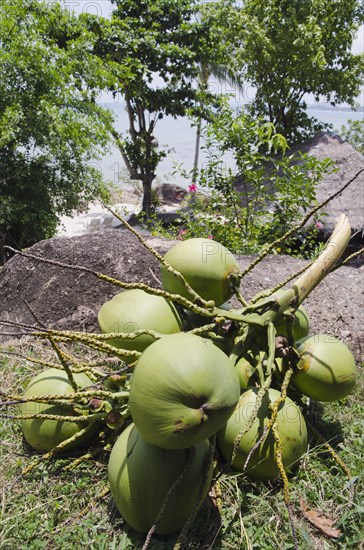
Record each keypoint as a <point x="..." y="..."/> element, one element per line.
<point x="348" y="161"/>
<point x="170" y="194"/>
<point x="171" y="217"/>
<point x="68" y="296"/>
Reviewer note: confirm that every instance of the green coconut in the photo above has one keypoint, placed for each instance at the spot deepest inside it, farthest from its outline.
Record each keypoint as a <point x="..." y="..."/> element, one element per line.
<point x="245" y="367"/>
<point x="326" y="369"/>
<point x="140" y="476"/>
<point x="301" y="325"/>
<point x="291" y="428"/>
<point x="208" y="267"/>
<point x="133" y="310"/>
<point x="246" y="362"/>
<point x="183" y="390"/>
<point x="44" y="434"/>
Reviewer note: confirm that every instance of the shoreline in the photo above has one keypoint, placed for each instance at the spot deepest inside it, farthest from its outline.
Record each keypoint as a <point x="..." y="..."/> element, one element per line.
<point x="98" y="218"/>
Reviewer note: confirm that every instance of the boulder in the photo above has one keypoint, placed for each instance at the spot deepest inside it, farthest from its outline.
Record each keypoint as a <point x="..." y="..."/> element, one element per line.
<point x="170" y="193"/>
<point x="348" y="162"/>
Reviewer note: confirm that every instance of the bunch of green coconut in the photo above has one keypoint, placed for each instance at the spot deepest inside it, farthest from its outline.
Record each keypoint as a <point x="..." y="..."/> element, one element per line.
<point x="211" y="387"/>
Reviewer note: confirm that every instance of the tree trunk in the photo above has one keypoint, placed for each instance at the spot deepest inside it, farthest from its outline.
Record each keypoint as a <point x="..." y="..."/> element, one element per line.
<point x="197" y="151"/>
<point x="147" y="197"/>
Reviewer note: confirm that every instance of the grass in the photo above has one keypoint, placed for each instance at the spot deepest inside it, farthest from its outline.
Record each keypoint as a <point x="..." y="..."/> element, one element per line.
<point x="52" y="508"/>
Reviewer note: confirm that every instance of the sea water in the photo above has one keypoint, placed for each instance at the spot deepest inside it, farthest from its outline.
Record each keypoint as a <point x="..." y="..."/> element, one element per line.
<point x="176" y="137"/>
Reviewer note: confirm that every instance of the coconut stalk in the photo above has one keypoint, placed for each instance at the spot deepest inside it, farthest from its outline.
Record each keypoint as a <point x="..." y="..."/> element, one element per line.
<point x="283" y="301"/>
<point x="332" y="252"/>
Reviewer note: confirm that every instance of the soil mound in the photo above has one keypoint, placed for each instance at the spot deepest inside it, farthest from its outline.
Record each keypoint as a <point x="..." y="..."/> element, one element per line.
<point x="68" y="298"/>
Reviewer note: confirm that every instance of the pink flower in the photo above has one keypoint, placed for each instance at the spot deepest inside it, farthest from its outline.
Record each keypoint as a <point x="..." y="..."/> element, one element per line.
<point x="319" y="225"/>
<point x="210" y="237"/>
<point x="181" y="234"/>
<point x="192" y="188"/>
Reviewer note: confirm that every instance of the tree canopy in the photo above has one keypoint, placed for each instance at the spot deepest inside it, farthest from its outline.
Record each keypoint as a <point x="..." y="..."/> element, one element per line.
<point x="159" y="46"/>
<point x="53" y="65"/>
<point x="287" y="49"/>
<point x="50" y="125"/>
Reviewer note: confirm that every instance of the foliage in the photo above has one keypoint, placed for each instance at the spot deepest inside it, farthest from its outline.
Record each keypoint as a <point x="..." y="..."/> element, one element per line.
<point x="50" y="126"/>
<point x="159" y="45"/>
<point x="353" y="132"/>
<point x="262" y="198"/>
<point x="220" y="66"/>
<point x="288" y="49"/>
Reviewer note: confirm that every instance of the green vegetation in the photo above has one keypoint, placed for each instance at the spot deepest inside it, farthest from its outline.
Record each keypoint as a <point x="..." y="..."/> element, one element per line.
<point x="53" y="65"/>
<point x="353" y="132"/>
<point x="247" y="208"/>
<point x="50" y="126"/>
<point x="153" y="51"/>
<point x="288" y="49"/>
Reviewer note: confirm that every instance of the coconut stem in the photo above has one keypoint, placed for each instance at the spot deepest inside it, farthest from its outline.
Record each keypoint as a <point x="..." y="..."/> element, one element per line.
<point x="63" y="359"/>
<point x="278" y="457"/>
<point x="283" y="283"/>
<point x="333" y="250"/>
<point x="288" y="300"/>
<point x="349" y="259"/>
<point x="330" y="450"/>
<point x="241" y="298"/>
<point x="273" y="416"/>
<point x="55" y="450"/>
<point x="278" y="451"/>
<point x="91" y="340"/>
<point x="255" y="447"/>
<point x="56" y="417"/>
<point x="252" y="417"/>
<point x="105" y="446"/>
<point x="271" y="348"/>
<point x="35" y="360"/>
<point x="50" y="398"/>
<point x="123" y="335"/>
<point x="62" y="356"/>
<point x="79" y="366"/>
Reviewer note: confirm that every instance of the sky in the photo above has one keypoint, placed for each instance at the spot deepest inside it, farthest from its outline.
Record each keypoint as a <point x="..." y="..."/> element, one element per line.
<point x="96" y="7"/>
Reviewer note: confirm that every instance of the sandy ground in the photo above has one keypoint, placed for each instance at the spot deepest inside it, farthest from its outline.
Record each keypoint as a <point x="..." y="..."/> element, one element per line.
<point x="98" y="218"/>
<point x="95" y="219"/>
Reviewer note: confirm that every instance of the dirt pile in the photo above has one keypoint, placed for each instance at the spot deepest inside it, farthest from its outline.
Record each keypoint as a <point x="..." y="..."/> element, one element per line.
<point x="70" y="298"/>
